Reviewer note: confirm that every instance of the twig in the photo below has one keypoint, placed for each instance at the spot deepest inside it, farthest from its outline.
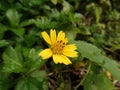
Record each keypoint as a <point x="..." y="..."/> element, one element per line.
<point x="89" y="67"/>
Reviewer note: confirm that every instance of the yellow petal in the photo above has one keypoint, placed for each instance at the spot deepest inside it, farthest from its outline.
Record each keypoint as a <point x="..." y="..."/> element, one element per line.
<point x="70" y="53"/>
<point x="45" y="54"/>
<point x="65" y="60"/>
<point x="68" y="50"/>
<point x="70" y="47"/>
<point x="61" y="59"/>
<point x="61" y="36"/>
<point x="57" y="59"/>
<point x="53" y="36"/>
<point x="65" y="40"/>
<point x="46" y="37"/>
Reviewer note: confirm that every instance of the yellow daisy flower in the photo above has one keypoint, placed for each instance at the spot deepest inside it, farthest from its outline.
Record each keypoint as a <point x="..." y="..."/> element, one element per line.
<point x="58" y="50"/>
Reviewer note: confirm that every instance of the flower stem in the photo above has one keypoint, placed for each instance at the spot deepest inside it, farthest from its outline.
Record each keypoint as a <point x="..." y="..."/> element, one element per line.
<point x="81" y="82"/>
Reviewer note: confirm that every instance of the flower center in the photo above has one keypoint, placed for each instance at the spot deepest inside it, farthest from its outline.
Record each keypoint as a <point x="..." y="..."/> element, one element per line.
<point x="58" y="47"/>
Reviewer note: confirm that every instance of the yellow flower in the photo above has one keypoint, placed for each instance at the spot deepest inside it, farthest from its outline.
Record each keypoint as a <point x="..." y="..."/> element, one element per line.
<point x="58" y="50"/>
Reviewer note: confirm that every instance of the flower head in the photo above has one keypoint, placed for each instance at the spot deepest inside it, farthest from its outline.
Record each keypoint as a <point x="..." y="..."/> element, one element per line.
<point x="58" y="48"/>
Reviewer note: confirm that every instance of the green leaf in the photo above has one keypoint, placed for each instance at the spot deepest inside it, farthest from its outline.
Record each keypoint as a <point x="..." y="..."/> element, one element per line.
<point x="30" y="83"/>
<point x="18" y="31"/>
<point x="25" y="2"/>
<point x="18" y="49"/>
<point x="55" y="13"/>
<point x="87" y="50"/>
<point x="25" y="52"/>
<point x="66" y="7"/>
<point x="30" y="38"/>
<point x="36" y="2"/>
<point x="13" y="16"/>
<point x="11" y="61"/>
<point x="71" y="32"/>
<point x="32" y="60"/>
<point x="35" y="59"/>
<point x="27" y="22"/>
<point x="44" y="23"/>
<point x="3" y="43"/>
<point x="95" y="81"/>
<point x="94" y="54"/>
<point x="27" y="84"/>
<point x="77" y="17"/>
<point x="3" y="28"/>
<point x="98" y="12"/>
<point x="112" y="66"/>
<point x="3" y="79"/>
<point x="41" y="76"/>
<point x="54" y="1"/>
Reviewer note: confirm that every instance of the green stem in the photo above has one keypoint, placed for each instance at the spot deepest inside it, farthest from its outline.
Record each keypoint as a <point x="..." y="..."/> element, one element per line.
<point x="81" y="82"/>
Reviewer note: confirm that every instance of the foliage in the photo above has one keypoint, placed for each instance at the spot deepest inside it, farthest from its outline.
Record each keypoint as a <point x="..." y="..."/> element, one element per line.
<point x="92" y="25"/>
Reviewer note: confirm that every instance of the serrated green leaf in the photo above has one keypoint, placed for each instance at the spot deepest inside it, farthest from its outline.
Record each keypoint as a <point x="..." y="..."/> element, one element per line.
<point x="3" y="43"/>
<point x="95" y="81"/>
<point x="35" y="59"/>
<point x="29" y="83"/>
<point x="94" y="54"/>
<point x="55" y="13"/>
<point x="26" y="84"/>
<point x="13" y="16"/>
<point x="11" y="61"/>
<point x="44" y="23"/>
<point x="77" y="17"/>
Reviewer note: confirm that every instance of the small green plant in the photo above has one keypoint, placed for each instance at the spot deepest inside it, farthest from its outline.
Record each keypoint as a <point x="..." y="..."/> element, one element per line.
<point x="90" y="38"/>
